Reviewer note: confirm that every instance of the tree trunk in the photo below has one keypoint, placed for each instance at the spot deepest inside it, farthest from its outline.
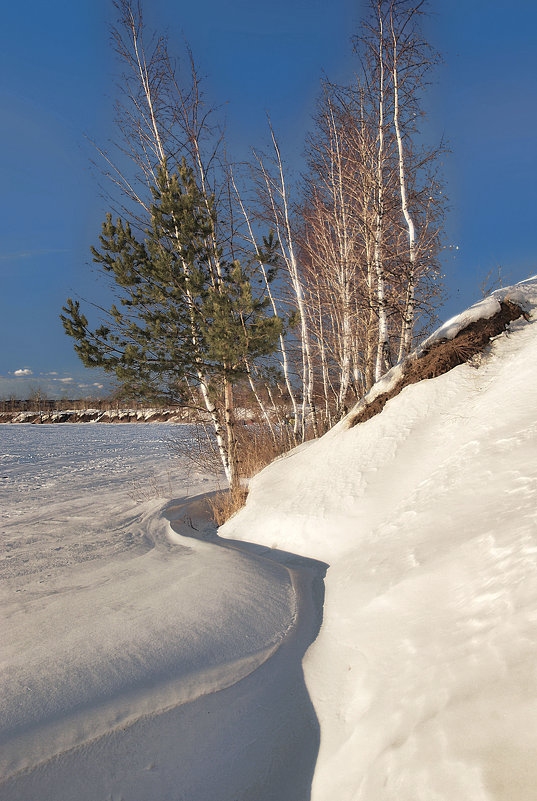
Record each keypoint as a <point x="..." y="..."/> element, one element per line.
<point x="283" y="349"/>
<point x="261" y="405"/>
<point x="383" y="340"/>
<point x="232" y="451"/>
<point x="407" y="324"/>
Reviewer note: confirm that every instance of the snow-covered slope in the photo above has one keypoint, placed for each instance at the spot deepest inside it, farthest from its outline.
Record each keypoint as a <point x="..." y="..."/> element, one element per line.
<point x="423" y="676"/>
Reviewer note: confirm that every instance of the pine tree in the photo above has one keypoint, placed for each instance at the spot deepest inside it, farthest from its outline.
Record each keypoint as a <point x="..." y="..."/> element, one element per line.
<point x="185" y="316"/>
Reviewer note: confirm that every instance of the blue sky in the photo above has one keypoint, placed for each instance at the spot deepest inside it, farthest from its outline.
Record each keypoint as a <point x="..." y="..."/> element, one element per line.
<point x="57" y="77"/>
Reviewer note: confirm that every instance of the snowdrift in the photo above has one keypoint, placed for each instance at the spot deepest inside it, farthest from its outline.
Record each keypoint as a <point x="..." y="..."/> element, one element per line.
<point x="139" y="659"/>
<point x="423" y="675"/>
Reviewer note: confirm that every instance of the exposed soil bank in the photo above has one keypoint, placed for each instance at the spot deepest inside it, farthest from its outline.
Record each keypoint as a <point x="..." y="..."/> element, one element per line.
<point x="441" y="356"/>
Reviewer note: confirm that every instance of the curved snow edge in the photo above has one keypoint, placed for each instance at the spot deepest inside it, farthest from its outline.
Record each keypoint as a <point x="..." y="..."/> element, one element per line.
<point x="97" y="719"/>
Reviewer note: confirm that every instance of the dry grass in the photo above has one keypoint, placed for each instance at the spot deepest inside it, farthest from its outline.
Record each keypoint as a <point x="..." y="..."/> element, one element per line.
<point x="258" y="447"/>
<point x="152" y="488"/>
<point x="199" y="448"/>
<point x="225" y="504"/>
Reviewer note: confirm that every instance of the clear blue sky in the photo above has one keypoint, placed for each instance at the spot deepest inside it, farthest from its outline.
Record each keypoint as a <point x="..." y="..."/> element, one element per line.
<point x="57" y="86"/>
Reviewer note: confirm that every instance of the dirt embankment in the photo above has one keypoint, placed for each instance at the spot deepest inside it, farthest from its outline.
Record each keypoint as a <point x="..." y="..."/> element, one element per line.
<point x="442" y="355"/>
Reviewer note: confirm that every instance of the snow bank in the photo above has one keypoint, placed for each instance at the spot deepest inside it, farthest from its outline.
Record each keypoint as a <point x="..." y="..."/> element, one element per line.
<point x="423" y="675"/>
<point x="123" y="646"/>
<point x="138" y="662"/>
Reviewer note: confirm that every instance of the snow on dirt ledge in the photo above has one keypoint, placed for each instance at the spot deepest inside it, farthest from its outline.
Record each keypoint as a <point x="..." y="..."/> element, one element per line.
<point x="459" y="340"/>
<point x="521" y="294"/>
<point x="423" y="675"/>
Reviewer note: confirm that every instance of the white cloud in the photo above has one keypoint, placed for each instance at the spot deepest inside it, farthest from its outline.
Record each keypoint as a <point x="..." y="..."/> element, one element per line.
<point x="20" y="384"/>
<point x="29" y="254"/>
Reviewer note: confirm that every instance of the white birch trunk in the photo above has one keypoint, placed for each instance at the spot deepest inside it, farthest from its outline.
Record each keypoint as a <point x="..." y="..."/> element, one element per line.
<point x="324" y="365"/>
<point x="342" y="231"/>
<point x="159" y="149"/>
<point x="217" y="426"/>
<point x="232" y="455"/>
<point x="283" y="349"/>
<point x="407" y="324"/>
<point x="260" y="403"/>
<point x="383" y="343"/>
<point x="285" y="237"/>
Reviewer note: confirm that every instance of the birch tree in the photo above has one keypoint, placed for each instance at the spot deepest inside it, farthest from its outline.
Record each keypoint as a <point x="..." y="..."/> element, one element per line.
<point x="166" y="161"/>
<point x="373" y="207"/>
<point x="277" y="211"/>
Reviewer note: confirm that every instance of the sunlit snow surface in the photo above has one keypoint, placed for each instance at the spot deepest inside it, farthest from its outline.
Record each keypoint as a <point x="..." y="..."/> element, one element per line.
<point x="144" y="666"/>
<point x="424" y="675"/>
<point x="65" y="488"/>
<point x="113" y="627"/>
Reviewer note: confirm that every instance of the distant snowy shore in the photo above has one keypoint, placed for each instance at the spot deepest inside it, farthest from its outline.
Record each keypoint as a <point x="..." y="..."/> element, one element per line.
<point x="97" y="416"/>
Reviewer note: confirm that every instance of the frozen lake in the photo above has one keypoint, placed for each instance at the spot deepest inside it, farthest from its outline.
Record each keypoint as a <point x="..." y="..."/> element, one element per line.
<point x="72" y="492"/>
<point x="50" y="461"/>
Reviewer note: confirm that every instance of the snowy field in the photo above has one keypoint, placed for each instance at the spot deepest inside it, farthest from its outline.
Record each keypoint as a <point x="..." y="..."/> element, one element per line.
<point x="149" y="660"/>
<point x="137" y="663"/>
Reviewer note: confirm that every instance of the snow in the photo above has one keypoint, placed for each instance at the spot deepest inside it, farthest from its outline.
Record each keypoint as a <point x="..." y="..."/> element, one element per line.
<point x="173" y="415"/>
<point x="423" y="675"/>
<point x="120" y="634"/>
<point x="148" y="659"/>
<point x="483" y="309"/>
